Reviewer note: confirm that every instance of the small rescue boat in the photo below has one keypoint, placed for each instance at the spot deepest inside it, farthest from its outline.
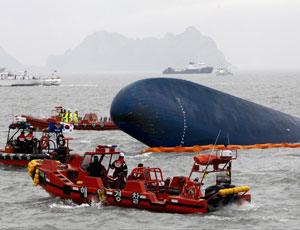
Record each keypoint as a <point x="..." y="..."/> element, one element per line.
<point x="71" y="180"/>
<point x="146" y="188"/>
<point x="90" y="121"/>
<point x="23" y="145"/>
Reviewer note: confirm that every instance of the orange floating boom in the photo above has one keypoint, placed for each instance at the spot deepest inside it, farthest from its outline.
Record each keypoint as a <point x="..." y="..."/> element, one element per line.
<point x="197" y="148"/>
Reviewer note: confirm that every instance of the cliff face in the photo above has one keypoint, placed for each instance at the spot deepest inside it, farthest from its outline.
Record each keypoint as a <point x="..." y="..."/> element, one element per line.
<point x="8" y="61"/>
<point x="111" y="51"/>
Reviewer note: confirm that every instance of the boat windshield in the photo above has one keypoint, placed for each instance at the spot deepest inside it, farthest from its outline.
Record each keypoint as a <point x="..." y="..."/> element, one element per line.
<point x="104" y="159"/>
<point x="86" y="161"/>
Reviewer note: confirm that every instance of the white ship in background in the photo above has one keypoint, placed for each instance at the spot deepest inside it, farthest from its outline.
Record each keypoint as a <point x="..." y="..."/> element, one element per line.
<point x="52" y="81"/>
<point x="222" y="71"/>
<point x="21" y="78"/>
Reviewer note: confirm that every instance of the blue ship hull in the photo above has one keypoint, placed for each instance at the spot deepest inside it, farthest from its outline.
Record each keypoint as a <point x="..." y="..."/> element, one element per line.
<point x="173" y="112"/>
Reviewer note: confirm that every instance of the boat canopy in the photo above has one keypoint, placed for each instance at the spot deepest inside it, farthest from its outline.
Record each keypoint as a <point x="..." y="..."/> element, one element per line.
<point x="205" y="159"/>
<point x="209" y="159"/>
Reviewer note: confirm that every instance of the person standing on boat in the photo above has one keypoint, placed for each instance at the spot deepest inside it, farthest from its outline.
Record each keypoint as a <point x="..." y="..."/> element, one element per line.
<point x="29" y="142"/>
<point x="70" y="115"/>
<point x="75" y="116"/>
<point x="121" y="170"/>
<point x="96" y="169"/>
<point x="65" y="116"/>
<point x="21" y="142"/>
<point x="61" y="115"/>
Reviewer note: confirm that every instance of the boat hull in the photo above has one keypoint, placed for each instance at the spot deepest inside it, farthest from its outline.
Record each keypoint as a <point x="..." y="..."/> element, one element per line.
<point x="173" y="112"/>
<point x="19" y="159"/>
<point x="33" y="82"/>
<point x="81" y="125"/>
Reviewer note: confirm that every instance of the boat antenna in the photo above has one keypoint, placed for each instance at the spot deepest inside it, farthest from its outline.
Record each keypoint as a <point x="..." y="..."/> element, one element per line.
<point x="12" y="112"/>
<point x="216" y="140"/>
<point x="228" y="141"/>
<point x="205" y="170"/>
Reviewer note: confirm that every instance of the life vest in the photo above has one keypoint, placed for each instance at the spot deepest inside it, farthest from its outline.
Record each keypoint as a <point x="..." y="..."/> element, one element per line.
<point x="118" y="163"/>
<point x="75" y="117"/>
<point x="70" y="117"/>
<point x="61" y="116"/>
<point x="66" y="117"/>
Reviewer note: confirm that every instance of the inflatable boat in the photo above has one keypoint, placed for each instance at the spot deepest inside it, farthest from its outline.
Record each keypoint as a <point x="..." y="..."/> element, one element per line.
<point x="24" y="143"/>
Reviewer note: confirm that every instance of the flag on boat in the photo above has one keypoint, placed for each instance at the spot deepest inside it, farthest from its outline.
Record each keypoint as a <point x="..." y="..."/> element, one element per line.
<point x="55" y="127"/>
<point x="67" y="128"/>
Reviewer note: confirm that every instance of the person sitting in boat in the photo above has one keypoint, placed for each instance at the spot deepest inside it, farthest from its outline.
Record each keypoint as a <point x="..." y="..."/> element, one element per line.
<point x="121" y="170"/>
<point x="96" y="169"/>
<point x="137" y="176"/>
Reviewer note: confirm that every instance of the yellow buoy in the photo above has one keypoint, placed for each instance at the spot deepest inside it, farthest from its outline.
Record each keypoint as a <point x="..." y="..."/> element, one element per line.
<point x="235" y="190"/>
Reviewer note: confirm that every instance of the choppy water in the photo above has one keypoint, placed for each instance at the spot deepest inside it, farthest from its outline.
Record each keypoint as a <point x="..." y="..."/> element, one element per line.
<point x="272" y="174"/>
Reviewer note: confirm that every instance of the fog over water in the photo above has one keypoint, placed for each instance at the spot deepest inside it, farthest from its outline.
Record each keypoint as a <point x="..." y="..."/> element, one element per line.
<point x="252" y="34"/>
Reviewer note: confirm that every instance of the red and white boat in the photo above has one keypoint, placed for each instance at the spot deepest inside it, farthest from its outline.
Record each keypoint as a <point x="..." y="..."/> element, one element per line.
<point x="145" y="187"/>
<point x="90" y="121"/>
<point x="41" y="146"/>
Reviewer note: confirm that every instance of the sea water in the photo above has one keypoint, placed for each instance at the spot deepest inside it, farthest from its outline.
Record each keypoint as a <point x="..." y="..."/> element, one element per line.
<point x="272" y="174"/>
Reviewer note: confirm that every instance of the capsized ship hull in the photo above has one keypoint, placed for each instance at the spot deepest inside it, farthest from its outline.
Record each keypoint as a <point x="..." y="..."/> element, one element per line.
<point x="173" y="112"/>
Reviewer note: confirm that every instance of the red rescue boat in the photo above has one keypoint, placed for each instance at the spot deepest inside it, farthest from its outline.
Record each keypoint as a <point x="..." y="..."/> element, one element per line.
<point x="90" y="121"/>
<point x="146" y="188"/>
<point x="25" y="144"/>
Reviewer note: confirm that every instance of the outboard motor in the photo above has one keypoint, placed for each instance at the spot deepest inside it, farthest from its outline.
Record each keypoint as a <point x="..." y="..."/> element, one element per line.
<point x="212" y="190"/>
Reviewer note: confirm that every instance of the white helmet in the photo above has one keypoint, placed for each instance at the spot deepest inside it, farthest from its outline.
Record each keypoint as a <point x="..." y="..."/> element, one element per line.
<point x="121" y="154"/>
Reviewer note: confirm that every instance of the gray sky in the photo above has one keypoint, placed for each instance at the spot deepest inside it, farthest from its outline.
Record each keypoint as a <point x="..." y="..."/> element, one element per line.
<point x="250" y="33"/>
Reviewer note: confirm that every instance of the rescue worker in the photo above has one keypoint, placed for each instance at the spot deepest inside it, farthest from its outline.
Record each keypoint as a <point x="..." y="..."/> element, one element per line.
<point x="29" y="136"/>
<point x="70" y="115"/>
<point x="96" y="169"/>
<point x="21" y="142"/>
<point x="29" y="142"/>
<point x="61" y="115"/>
<point x="75" y="116"/>
<point x="121" y="170"/>
<point x="137" y="175"/>
<point x="65" y="119"/>
<point x="21" y="137"/>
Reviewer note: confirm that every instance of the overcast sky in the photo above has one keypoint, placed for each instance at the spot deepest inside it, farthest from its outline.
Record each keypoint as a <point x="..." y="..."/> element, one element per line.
<point x="250" y="33"/>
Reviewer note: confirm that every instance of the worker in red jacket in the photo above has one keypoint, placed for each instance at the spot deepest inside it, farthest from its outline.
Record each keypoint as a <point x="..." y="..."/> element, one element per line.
<point x="121" y="170"/>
